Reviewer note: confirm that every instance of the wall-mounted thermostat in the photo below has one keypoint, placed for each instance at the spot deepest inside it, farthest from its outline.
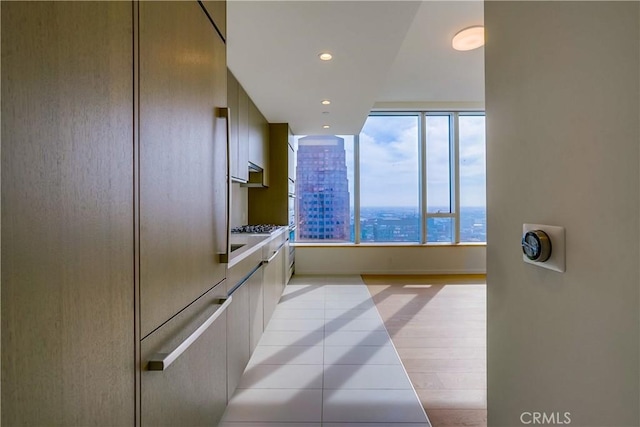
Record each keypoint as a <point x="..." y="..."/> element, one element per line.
<point x="543" y="245"/>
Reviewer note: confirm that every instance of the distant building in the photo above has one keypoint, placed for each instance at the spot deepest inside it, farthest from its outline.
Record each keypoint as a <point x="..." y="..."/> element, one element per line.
<point x="322" y="189"/>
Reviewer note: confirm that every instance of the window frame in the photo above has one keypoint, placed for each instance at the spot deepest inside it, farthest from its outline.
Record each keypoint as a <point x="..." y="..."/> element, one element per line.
<point x="454" y="180"/>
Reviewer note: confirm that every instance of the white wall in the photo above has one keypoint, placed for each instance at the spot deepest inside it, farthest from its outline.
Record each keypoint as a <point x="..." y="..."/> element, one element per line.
<point x="562" y="105"/>
<point x="364" y="259"/>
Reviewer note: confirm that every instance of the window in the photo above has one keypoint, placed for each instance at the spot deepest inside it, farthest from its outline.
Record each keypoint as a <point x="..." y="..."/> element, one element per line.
<point x="389" y="179"/>
<point x="408" y="177"/>
<point x="325" y="188"/>
<point x="472" y="167"/>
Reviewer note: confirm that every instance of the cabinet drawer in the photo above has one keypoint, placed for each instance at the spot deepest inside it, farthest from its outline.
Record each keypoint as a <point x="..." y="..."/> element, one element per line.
<point x="274" y="245"/>
<point x="193" y="389"/>
<point x="244" y="268"/>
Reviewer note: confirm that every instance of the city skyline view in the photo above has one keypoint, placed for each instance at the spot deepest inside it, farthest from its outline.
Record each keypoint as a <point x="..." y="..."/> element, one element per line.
<point x="390" y="175"/>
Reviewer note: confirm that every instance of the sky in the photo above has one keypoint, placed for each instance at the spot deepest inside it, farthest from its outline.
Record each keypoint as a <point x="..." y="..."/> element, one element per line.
<point x="389" y="162"/>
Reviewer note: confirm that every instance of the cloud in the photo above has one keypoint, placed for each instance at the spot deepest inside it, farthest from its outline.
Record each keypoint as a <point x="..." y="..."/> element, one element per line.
<point x="389" y="161"/>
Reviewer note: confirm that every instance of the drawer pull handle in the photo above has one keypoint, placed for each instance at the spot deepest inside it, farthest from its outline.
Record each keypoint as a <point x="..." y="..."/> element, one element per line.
<point x="224" y="255"/>
<point x="161" y="361"/>
<point x="275" y="254"/>
<point x="267" y="261"/>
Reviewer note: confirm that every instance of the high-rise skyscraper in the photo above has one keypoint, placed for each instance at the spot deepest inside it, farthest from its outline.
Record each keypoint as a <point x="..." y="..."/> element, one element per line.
<point x="322" y="189"/>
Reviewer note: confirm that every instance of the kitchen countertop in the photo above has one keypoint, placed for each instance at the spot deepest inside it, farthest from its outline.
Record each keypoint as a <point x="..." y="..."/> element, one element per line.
<point x="251" y="242"/>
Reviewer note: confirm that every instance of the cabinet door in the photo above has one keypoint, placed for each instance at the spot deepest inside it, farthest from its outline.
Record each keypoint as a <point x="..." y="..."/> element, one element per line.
<point x="192" y="391"/>
<point x="238" y="337"/>
<point x="243" y="134"/>
<point x="183" y="143"/>
<point x="259" y="141"/>
<point x="273" y="277"/>
<point x="232" y="100"/>
<point x="67" y="222"/>
<point x="256" y="308"/>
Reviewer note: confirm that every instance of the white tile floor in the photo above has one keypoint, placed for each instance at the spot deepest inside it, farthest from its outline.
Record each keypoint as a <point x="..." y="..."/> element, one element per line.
<point x="325" y="360"/>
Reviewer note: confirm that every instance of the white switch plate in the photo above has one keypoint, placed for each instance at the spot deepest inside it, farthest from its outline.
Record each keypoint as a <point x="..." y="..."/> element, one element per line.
<point x="556" y="235"/>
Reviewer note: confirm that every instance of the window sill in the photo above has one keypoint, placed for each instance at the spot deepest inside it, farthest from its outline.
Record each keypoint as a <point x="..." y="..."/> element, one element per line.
<point x="388" y="245"/>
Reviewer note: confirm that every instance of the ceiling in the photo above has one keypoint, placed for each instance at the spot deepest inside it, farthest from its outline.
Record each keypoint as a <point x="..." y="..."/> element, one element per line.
<point x="386" y="55"/>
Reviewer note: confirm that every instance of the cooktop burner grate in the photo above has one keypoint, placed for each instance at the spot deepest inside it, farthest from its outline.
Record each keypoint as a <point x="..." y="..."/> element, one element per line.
<point x="256" y="229"/>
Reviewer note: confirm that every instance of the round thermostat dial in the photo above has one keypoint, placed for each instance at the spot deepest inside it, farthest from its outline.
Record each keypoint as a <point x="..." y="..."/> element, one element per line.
<point x="536" y="245"/>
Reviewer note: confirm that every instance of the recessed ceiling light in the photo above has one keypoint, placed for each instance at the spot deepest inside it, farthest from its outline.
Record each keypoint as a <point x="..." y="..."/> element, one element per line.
<point x="326" y="127"/>
<point x="469" y="38"/>
<point x="325" y="56"/>
<point x="326" y="102"/>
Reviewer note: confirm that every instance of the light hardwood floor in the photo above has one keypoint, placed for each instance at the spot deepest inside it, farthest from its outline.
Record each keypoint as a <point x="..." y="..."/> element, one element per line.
<point x="438" y="325"/>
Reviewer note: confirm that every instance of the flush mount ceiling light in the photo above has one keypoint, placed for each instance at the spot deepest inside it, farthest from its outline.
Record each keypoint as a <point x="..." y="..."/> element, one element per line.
<point x="325" y="56"/>
<point x="326" y="102"/>
<point x="326" y="127"/>
<point x="469" y="38"/>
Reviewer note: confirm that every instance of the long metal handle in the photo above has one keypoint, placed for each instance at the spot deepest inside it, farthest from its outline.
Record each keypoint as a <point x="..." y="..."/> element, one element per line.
<point x="161" y="361"/>
<point x="225" y="112"/>
<point x="275" y="254"/>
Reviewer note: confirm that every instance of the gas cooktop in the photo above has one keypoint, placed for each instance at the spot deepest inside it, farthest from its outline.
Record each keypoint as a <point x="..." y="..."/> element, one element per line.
<point x="256" y="229"/>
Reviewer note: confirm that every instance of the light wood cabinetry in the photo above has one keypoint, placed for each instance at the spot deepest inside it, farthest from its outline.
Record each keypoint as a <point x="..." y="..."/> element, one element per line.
<point x="183" y="212"/>
<point x="243" y="134"/>
<point x="256" y="308"/>
<point x="291" y="159"/>
<point x="259" y="141"/>
<point x="113" y="212"/>
<point x="182" y="158"/>
<point x="192" y="391"/>
<point x="273" y="282"/>
<point x="239" y="283"/>
<point x="67" y="202"/>
<point x="238" y="337"/>
<point x="238" y="171"/>
<point x="271" y="205"/>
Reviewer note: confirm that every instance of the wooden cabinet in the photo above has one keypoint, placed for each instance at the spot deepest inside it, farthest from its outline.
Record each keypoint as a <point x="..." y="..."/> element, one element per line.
<point x="273" y="283"/>
<point x="238" y="172"/>
<point x="259" y="141"/>
<point x="238" y="337"/>
<point x="271" y="205"/>
<point x="183" y="143"/>
<point x="256" y="308"/>
<point x="192" y="391"/>
<point x="249" y="138"/>
<point x="111" y="229"/>
<point x="67" y="214"/>
<point x="239" y="284"/>
<point x="243" y="134"/>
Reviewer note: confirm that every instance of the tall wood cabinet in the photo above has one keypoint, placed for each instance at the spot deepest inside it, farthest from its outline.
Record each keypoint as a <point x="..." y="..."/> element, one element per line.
<point x="67" y="214"/>
<point x="239" y="161"/>
<point x="249" y="136"/>
<point x="114" y="205"/>
<point x="259" y="141"/>
<point x="271" y="205"/>
<point x="183" y="212"/>
<point x="182" y="158"/>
